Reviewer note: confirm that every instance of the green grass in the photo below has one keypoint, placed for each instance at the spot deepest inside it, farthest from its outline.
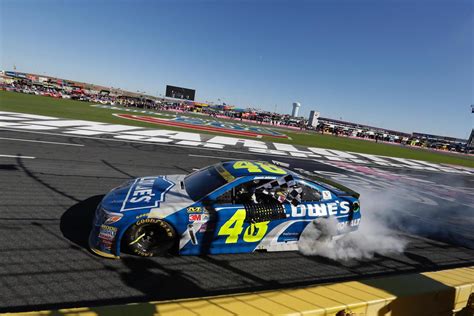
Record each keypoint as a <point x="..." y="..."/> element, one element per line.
<point x="24" y="103"/>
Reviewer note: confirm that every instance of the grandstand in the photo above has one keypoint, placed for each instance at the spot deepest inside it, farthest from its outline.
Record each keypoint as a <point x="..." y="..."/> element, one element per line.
<point x="71" y="89"/>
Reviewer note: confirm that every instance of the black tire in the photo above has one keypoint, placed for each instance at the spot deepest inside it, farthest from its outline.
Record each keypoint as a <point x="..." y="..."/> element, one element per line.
<point x="150" y="237"/>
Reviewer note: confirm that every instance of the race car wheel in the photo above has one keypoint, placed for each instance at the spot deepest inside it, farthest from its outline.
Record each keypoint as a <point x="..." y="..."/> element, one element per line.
<point x="150" y="237"/>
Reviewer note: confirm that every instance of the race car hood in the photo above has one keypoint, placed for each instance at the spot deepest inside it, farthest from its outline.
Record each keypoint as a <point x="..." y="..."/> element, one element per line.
<point x="146" y="193"/>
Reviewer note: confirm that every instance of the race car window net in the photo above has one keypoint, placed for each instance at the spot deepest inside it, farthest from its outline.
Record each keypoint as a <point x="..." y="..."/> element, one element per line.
<point x="241" y="194"/>
<point x="202" y="182"/>
<point x="256" y="213"/>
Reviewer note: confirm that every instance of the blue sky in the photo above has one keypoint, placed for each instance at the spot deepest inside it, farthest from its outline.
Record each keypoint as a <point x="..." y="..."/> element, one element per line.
<point x="399" y="64"/>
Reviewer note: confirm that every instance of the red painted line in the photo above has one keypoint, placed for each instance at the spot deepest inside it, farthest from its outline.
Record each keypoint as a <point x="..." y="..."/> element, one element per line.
<point x="158" y="121"/>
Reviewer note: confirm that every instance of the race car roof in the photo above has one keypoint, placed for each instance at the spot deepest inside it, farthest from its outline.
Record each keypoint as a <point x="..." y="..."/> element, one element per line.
<point x="231" y="170"/>
<point x="243" y="168"/>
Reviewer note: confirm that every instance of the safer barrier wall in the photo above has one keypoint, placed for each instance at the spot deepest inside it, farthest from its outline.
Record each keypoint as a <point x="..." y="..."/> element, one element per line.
<point x="448" y="292"/>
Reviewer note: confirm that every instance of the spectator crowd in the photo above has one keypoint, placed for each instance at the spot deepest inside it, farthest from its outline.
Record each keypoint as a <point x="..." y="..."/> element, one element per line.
<point x="223" y="111"/>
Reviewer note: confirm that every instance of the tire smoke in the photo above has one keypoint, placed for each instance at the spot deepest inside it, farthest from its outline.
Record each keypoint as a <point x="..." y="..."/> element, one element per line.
<point x="373" y="237"/>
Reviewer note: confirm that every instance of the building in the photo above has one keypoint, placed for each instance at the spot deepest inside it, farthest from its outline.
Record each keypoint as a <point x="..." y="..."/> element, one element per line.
<point x="313" y="118"/>
<point x="296" y="108"/>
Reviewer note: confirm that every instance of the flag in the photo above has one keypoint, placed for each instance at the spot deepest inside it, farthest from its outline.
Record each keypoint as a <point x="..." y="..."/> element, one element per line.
<point x="283" y="189"/>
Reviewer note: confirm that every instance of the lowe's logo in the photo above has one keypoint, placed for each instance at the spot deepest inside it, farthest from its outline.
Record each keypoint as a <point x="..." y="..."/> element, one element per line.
<point x="146" y="192"/>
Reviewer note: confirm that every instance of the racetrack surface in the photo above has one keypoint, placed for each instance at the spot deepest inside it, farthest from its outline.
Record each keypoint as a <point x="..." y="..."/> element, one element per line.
<point x="47" y="203"/>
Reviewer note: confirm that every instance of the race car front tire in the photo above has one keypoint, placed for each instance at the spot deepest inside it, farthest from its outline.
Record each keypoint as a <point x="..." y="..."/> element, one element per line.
<point x="150" y="237"/>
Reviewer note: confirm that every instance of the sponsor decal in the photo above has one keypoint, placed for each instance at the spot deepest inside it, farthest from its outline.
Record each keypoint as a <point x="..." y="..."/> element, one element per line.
<point x="112" y="218"/>
<point x="142" y="215"/>
<point x="224" y="173"/>
<point x="207" y="226"/>
<point x="194" y="209"/>
<point x="107" y="232"/>
<point x="320" y="209"/>
<point x="106" y="244"/>
<point x="352" y="223"/>
<point x="146" y="192"/>
<point x="198" y="217"/>
<point x="327" y="195"/>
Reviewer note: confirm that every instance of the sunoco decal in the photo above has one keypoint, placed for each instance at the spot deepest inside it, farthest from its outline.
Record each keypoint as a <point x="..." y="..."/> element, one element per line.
<point x="146" y="192"/>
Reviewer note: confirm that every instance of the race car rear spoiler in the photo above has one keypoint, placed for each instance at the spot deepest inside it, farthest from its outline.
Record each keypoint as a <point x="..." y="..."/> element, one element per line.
<point x="337" y="188"/>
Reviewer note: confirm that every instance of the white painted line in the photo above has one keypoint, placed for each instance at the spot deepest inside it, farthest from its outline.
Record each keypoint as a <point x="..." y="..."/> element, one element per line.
<point x="214" y="157"/>
<point x="83" y="132"/>
<point x="40" y="141"/>
<point x="10" y="118"/>
<point x="187" y="136"/>
<point x="33" y="116"/>
<point x="151" y="133"/>
<point x="5" y="112"/>
<point x="382" y="162"/>
<point x="17" y="156"/>
<point x="425" y="163"/>
<point x="342" y="154"/>
<point x="4" y="124"/>
<point x="324" y="152"/>
<point x="405" y="161"/>
<point x="159" y="140"/>
<point x="290" y="148"/>
<point x="189" y="143"/>
<point x="360" y="161"/>
<point x="36" y="127"/>
<point x="254" y="143"/>
<point x="252" y="151"/>
<point x="66" y="123"/>
<point x="130" y="137"/>
<point x="109" y="127"/>
<point x="298" y="154"/>
<point x="224" y="140"/>
<point x="210" y="145"/>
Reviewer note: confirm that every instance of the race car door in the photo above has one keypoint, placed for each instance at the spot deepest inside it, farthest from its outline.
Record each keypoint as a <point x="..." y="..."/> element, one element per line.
<point x="242" y="221"/>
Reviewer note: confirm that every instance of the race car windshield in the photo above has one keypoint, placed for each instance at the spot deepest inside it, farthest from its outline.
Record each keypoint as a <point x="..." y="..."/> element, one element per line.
<point x="203" y="182"/>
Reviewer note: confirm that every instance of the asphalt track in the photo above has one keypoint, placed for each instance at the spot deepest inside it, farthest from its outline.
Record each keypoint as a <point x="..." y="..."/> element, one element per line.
<point x="46" y="206"/>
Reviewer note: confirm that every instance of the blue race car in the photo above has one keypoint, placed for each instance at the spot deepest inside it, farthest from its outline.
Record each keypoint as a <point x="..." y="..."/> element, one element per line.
<point x="229" y="207"/>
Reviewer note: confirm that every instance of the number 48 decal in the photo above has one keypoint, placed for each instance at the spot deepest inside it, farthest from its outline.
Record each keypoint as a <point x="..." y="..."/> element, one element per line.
<point x="258" y="166"/>
<point x="235" y="225"/>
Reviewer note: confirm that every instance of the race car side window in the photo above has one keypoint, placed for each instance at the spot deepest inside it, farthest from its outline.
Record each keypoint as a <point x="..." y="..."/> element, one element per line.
<point x="226" y="197"/>
<point x="241" y="194"/>
<point x="309" y="194"/>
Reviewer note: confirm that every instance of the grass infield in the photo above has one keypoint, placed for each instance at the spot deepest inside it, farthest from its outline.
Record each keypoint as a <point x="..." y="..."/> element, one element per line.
<point x="63" y="108"/>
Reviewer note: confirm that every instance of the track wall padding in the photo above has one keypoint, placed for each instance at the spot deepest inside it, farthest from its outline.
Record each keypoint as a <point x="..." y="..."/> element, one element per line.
<point x="448" y="292"/>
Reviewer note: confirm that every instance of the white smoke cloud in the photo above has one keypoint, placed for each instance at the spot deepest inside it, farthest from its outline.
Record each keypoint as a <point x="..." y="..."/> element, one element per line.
<point x="393" y="205"/>
<point x="373" y="236"/>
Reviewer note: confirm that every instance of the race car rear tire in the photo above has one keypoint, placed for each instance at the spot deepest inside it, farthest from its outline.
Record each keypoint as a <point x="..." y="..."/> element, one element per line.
<point x="150" y="237"/>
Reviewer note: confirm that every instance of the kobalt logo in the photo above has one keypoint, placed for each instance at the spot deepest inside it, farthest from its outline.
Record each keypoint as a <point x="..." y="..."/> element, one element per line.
<point x="322" y="209"/>
<point x="352" y="223"/>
